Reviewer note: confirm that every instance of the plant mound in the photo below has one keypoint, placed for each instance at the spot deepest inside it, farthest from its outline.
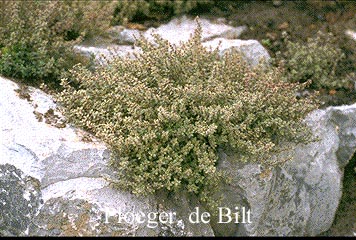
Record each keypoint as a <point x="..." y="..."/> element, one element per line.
<point x="166" y="113"/>
<point x="37" y="37"/>
<point x="316" y="61"/>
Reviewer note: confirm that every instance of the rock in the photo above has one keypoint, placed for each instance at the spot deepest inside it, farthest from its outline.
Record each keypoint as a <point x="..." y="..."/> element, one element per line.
<point x="128" y="36"/>
<point x="351" y="34"/>
<point x="183" y="204"/>
<point x="20" y="197"/>
<point x="299" y="198"/>
<point x="33" y="146"/>
<point x="121" y="35"/>
<point x="103" y="54"/>
<point x="180" y="29"/>
<point x="87" y="207"/>
<point x="42" y="162"/>
<point x="176" y="31"/>
<point x="78" y="217"/>
<point x="251" y="50"/>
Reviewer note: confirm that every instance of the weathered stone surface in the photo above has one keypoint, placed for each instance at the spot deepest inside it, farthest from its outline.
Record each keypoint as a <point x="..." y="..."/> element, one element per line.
<point x="70" y="169"/>
<point x="302" y="196"/>
<point x="252" y="51"/>
<point x="88" y="206"/>
<point x="180" y="29"/>
<point x="128" y="36"/>
<point x="351" y="34"/>
<point x="183" y="204"/>
<point x="176" y="31"/>
<point x="30" y="143"/>
<point x="94" y="211"/>
<point x="20" y="197"/>
<point x="123" y="36"/>
<point x="102" y="54"/>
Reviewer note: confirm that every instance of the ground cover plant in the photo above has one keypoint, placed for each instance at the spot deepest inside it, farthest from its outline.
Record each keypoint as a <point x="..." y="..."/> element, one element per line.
<point x="166" y="113"/>
<point x="37" y="37"/>
<point x="316" y="60"/>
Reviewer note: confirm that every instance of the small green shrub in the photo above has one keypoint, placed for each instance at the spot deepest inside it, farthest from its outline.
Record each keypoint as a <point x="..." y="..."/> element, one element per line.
<point x="315" y="61"/>
<point x="36" y="37"/>
<point x="156" y="9"/>
<point x="166" y="113"/>
<point x="83" y="18"/>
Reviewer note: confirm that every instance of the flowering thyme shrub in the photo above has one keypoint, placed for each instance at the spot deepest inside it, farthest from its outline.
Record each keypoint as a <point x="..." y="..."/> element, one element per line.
<point x="36" y="37"/>
<point x="166" y="113"/>
<point x="315" y="61"/>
